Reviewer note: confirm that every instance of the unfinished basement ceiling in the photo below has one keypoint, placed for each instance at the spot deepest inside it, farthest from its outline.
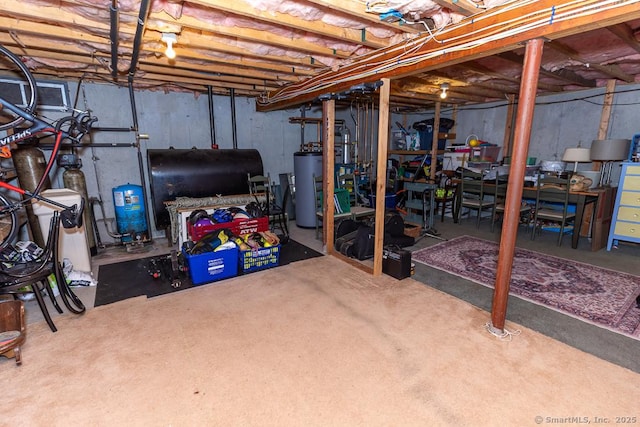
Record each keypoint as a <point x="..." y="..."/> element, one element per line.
<point x="258" y="47"/>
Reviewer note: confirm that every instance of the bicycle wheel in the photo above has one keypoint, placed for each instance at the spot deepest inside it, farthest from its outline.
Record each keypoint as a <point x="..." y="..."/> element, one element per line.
<point x="27" y="86"/>
<point x="8" y="223"/>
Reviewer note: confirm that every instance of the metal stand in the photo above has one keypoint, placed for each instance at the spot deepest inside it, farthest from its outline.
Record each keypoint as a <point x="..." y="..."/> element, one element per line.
<point x="428" y="229"/>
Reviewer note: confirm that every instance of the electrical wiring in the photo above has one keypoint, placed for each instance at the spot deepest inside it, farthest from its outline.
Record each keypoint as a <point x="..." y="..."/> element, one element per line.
<point x="407" y="52"/>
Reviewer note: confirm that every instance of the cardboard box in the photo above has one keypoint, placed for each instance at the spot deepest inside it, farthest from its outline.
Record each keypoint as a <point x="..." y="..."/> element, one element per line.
<point x="412" y="230"/>
<point x="211" y="266"/>
<point x="253" y="260"/>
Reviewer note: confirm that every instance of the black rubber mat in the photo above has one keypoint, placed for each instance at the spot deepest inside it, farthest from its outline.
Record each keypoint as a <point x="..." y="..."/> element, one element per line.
<point x="130" y="279"/>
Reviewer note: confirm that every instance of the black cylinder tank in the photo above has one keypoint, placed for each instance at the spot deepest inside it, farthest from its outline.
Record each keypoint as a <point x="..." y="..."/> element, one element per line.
<point x="30" y="165"/>
<point x="198" y="173"/>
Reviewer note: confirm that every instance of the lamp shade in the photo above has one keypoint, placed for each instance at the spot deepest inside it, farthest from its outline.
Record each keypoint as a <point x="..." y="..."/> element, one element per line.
<point x="577" y="154"/>
<point x="610" y="149"/>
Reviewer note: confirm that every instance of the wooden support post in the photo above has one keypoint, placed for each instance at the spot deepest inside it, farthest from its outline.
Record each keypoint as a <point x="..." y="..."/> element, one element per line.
<point x="605" y="116"/>
<point x="381" y="177"/>
<point x="508" y="126"/>
<point x="434" y="142"/>
<point x="328" y="179"/>
<point x="526" y="106"/>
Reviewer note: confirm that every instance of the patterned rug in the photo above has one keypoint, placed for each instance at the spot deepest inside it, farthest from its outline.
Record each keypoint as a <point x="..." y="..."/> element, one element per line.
<point x="605" y="298"/>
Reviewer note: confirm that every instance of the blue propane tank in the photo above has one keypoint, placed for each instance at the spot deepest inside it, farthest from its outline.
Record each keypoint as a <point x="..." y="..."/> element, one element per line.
<point x="128" y="201"/>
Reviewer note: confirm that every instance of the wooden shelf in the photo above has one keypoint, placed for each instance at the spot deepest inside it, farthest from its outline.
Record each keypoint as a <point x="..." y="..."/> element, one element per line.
<point x="315" y="120"/>
<point x="412" y="152"/>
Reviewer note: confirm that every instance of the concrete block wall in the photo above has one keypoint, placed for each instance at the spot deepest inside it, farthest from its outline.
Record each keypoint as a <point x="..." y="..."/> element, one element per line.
<point x="181" y="120"/>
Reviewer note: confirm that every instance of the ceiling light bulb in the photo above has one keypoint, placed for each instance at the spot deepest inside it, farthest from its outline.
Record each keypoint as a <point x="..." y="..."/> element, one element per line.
<point x="169" y="39"/>
<point x="444" y="87"/>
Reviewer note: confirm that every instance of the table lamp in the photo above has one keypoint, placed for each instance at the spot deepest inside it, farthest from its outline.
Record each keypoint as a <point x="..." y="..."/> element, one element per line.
<point x="608" y="151"/>
<point x="577" y="155"/>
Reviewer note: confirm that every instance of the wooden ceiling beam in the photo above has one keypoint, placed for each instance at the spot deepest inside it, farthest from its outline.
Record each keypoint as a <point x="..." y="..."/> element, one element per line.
<point x="455" y="93"/>
<point x="463" y="7"/>
<point x="204" y="75"/>
<point x="50" y="14"/>
<point x="242" y="65"/>
<point x="356" y="9"/>
<point x="318" y="27"/>
<point x="501" y="29"/>
<point x="204" y="82"/>
<point x="564" y="75"/>
<point x="214" y="67"/>
<point x="492" y="88"/>
<point x="624" y="33"/>
<point x="476" y="93"/>
<point x="250" y="35"/>
<point x="480" y="69"/>
<point x="47" y="31"/>
<point x="151" y="82"/>
<point x="206" y="43"/>
<point x="608" y="70"/>
<point x="479" y="89"/>
<point x="572" y="78"/>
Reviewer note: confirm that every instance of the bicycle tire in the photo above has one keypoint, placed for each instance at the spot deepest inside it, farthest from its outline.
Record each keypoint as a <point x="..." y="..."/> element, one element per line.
<point x="10" y="61"/>
<point x="8" y="223"/>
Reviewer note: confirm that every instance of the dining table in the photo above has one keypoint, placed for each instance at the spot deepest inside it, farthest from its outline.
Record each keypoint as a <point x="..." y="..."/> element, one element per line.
<point x="600" y="198"/>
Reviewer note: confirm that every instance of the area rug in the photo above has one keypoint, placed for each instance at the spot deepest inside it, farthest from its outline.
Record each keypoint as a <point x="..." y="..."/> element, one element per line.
<point x="129" y="279"/>
<point x="603" y="297"/>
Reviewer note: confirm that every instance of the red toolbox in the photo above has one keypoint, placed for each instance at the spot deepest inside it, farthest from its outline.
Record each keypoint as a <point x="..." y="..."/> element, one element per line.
<point x="237" y="227"/>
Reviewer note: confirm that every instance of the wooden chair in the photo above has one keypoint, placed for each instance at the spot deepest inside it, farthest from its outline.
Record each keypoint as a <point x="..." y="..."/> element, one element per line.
<point x="348" y="182"/>
<point x="12" y="329"/>
<point x="550" y="189"/>
<point x="33" y="276"/>
<point x="445" y="197"/>
<point x="472" y="194"/>
<point x="276" y="212"/>
<point x="317" y="193"/>
<point x="278" y="217"/>
<point x="500" y="194"/>
<point x="260" y="185"/>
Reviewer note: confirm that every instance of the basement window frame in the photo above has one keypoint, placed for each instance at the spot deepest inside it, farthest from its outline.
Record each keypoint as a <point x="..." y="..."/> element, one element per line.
<point x="47" y="98"/>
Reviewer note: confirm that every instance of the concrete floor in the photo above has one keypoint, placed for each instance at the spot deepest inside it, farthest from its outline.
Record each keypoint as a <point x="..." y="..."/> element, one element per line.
<point x="600" y="342"/>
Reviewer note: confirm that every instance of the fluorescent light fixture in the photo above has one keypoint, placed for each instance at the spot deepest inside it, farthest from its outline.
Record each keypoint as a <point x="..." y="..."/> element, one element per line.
<point x="170" y="39"/>
<point x="444" y="87"/>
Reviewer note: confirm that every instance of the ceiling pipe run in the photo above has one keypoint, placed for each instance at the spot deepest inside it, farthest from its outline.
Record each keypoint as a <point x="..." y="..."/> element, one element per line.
<point x="113" y="35"/>
<point x="142" y="22"/>
<point x="212" y="122"/>
<point x="234" y="127"/>
<point x="139" y="136"/>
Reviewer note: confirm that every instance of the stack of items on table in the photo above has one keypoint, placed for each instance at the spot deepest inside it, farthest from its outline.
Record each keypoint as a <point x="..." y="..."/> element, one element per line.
<point x="229" y="242"/>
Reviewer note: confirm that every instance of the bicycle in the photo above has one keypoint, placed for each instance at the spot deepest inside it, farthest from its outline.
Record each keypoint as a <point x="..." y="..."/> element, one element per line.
<point x="27" y="126"/>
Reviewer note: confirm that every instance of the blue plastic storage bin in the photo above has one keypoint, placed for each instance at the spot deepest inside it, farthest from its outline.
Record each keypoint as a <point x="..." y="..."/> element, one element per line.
<point x="425" y="131"/>
<point x="211" y="266"/>
<point x="259" y="259"/>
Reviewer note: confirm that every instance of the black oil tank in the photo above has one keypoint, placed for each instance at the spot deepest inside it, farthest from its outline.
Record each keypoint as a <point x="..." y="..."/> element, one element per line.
<point x="198" y="173"/>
